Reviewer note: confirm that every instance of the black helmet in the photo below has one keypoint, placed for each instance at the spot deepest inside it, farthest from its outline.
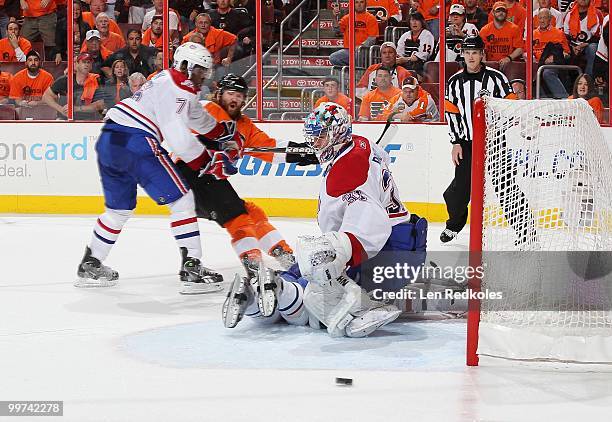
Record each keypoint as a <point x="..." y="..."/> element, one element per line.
<point x="232" y="82"/>
<point x="473" y="43"/>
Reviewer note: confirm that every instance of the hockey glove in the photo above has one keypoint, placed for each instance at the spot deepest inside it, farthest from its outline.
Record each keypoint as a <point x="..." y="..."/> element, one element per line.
<point x="301" y="154"/>
<point x="222" y="164"/>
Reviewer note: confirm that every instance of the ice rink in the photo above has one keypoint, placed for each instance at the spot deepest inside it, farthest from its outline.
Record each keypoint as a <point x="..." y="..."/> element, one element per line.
<point x="142" y="352"/>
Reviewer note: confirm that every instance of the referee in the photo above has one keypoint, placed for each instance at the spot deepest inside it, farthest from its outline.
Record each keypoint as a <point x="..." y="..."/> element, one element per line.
<point x="465" y="86"/>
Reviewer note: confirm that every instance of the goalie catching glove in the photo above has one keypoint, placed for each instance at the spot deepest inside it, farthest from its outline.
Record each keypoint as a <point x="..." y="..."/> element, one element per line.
<point x="323" y="259"/>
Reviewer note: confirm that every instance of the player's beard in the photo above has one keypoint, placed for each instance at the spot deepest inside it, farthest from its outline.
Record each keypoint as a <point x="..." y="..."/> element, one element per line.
<point x="233" y="108"/>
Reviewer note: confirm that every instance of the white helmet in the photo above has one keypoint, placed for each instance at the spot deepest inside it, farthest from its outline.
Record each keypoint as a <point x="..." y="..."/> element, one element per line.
<point x="193" y="54"/>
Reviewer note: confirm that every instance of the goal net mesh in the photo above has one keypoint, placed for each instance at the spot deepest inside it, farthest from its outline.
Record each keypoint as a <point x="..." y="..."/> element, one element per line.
<point x="547" y="232"/>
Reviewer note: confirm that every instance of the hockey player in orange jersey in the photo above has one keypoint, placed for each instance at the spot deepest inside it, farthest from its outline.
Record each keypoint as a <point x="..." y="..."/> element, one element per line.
<point x="216" y="199"/>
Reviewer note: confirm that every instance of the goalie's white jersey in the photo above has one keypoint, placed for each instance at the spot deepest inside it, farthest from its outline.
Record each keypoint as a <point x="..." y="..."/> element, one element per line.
<point x="358" y="196"/>
<point x="167" y="107"/>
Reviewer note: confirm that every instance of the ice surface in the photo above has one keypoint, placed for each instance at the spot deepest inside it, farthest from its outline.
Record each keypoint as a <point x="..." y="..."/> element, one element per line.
<point x="142" y="352"/>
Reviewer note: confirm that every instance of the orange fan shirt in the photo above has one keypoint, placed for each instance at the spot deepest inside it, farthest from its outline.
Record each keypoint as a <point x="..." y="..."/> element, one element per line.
<point x="499" y="43"/>
<point x="7" y="52"/>
<point x="342" y="99"/>
<point x="5" y="84"/>
<point x="374" y="102"/>
<point x="35" y="9"/>
<point x="551" y="35"/>
<point x="250" y="134"/>
<point x="113" y="42"/>
<point x="425" y="8"/>
<point x="215" y="40"/>
<point x="89" y="18"/>
<point x="365" y="27"/>
<point x="596" y="105"/>
<point x="27" y="88"/>
<point x="391" y="6"/>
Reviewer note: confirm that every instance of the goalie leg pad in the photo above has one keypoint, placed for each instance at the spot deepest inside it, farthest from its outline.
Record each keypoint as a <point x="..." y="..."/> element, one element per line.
<point x="323" y="259"/>
<point x="291" y="302"/>
<point x="372" y="320"/>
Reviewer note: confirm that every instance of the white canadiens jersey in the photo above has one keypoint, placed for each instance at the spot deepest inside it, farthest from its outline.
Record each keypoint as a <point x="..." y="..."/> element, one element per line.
<point x="359" y="196"/>
<point x="167" y="107"/>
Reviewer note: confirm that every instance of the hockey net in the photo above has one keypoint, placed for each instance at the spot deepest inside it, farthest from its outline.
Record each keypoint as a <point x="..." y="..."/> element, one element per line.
<point x="541" y="227"/>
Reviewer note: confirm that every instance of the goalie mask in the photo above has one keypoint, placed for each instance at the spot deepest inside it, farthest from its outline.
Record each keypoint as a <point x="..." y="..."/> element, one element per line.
<point x="195" y="55"/>
<point x="327" y="129"/>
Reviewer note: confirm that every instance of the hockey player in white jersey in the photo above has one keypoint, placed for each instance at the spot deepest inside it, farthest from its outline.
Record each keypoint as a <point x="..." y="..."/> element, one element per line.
<point x="129" y="153"/>
<point x="360" y="215"/>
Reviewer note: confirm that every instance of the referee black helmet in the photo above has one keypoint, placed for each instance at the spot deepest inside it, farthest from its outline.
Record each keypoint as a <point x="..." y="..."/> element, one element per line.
<point x="472" y="43"/>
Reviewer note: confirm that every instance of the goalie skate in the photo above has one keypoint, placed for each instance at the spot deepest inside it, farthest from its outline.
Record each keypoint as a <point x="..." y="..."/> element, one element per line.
<point x="266" y="291"/>
<point x="235" y="302"/>
<point x="92" y="273"/>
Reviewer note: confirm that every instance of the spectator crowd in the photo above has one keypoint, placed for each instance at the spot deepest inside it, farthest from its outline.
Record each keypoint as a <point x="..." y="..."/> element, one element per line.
<point x="565" y="33"/>
<point x="118" y="46"/>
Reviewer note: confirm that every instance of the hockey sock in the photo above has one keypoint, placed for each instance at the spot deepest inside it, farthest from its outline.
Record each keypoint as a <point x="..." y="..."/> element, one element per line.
<point x="184" y="225"/>
<point x="244" y="239"/>
<point x="107" y="231"/>
<point x="267" y="234"/>
<point x="291" y="303"/>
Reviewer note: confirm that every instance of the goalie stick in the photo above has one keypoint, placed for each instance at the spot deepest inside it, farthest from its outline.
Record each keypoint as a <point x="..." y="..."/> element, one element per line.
<point x="388" y="124"/>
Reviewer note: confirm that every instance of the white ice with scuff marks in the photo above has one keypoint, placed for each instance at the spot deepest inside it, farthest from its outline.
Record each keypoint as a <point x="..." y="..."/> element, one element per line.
<point x="142" y="352"/>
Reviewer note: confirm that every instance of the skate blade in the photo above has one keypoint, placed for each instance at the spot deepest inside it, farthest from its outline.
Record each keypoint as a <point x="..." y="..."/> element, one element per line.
<point x="190" y="288"/>
<point x="266" y="300"/>
<point x="88" y="283"/>
<point x="233" y="307"/>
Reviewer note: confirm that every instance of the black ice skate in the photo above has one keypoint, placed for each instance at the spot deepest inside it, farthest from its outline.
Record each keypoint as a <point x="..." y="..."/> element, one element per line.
<point x="91" y="273"/>
<point x="196" y="278"/>
<point x="448" y="235"/>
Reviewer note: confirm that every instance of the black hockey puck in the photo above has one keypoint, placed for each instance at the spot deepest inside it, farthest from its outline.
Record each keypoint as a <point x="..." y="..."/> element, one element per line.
<point x="344" y="381"/>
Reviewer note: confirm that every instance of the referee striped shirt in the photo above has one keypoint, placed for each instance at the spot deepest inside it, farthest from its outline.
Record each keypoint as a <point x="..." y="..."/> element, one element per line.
<point x="463" y="89"/>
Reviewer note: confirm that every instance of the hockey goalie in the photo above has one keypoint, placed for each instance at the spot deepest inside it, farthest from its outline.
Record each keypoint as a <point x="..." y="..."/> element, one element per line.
<point x="360" y="216"/>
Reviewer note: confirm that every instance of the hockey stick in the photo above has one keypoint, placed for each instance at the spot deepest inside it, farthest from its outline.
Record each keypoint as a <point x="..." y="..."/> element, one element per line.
<point x="387" y="126"/>
<point x="282" y="150"/>
<point x="309" y="150"/>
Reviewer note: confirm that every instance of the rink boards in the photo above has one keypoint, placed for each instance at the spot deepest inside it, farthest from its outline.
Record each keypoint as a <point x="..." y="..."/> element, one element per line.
<point x="51" y="168"/>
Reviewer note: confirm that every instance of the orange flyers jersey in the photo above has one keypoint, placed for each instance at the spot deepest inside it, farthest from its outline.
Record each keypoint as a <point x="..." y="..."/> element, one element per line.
<point x="374" y="102"/>
<point x="389" y="8"/>
<point x="250" y="134"/>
